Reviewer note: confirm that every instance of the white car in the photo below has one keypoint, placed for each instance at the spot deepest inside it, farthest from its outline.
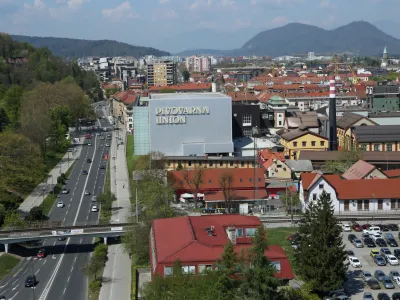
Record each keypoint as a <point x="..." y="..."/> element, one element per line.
<point x="397" y="280"/>
<point x="355" y="262"/>
<point x="60" y="204"/>
<point x="94" y="199"/>
<point x="392" y="260"/>
<point x="376" y="236"/>
<point x="372" y="230"/>
<point x="87" y="193"/>
<point x="95" y="208"/>
<point x="346" y="227"/>
<point x="107" y="145"/>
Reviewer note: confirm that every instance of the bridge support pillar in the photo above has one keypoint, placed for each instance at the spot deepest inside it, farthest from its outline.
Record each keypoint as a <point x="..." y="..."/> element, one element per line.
<point x="6" y="248"/>
<point x="105" y="240"/>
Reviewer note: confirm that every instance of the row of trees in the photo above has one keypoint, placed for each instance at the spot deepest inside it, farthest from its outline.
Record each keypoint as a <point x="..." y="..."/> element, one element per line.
<point x="95" y="265"/>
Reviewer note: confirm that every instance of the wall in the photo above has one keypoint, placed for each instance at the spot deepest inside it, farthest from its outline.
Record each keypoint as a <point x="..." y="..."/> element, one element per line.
<point x="293" y="150"/>
<point x="381" y="146"/>
<point x="279" y="169"/>
<point x="238" y="110"/>
<point x="141" y="130"/>
<point x="387" y="121"/>
<point x="201" y="134"/>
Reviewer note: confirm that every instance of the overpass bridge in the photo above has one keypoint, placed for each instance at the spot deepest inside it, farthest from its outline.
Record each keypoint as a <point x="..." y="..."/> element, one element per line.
<point x="31" y="234"/>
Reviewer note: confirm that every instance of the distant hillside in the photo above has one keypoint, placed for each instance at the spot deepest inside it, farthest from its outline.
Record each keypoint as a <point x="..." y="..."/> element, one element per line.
<point x="360" y="38"/>
<point x="80" y="48"/>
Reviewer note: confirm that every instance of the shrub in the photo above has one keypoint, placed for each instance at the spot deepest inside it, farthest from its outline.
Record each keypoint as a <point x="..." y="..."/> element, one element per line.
<point x="95" y="286"/>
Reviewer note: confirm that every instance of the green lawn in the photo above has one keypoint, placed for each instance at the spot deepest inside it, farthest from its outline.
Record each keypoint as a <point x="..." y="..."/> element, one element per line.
<point x="52" y="159"/>
<point x="7" y="263"/>
<point x="105" y="216"/>
<point x="130" y="158"/>
<point x="278" y="236"/>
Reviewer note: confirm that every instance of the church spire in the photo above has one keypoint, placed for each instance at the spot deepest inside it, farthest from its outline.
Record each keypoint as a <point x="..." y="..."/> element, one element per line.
<point x="384" y="51"/>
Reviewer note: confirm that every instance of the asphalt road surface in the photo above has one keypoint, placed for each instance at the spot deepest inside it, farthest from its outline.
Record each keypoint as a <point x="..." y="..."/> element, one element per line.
<point x="60" y="275"/>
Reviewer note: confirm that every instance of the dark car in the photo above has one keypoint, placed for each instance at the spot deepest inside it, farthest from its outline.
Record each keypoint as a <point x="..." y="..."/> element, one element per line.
<point x="350" y="253"/>
<point x="30" y="281"/>
<point x="396" y="252"/>
<point x="384" y="227"/>
<point x="351" y="237"/>
<point x="379" y="275"/>
<point x="356" y="227"/>
<point x="102" y="167"/>
<point x="89" y="160"/>
<point x="379" y="260"/>
<point x="385" y="251"/>
<point x="365" y="226"/>
<point x="293" y="236"/>
<point x="374" y="284"/>
<point x="62" y="238"/>
<point x="380" y="242"/>
<point x="393" y="227"/>
<point x="369" y="242"/>
<point x="383" y="296"/>
<point x="396" y="296"/>
<point x="84" y="172"/>
<point x="392" y="242"/>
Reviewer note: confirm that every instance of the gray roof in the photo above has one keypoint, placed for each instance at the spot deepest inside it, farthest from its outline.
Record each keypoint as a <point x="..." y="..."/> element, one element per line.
<point x="294" y="134"/>
<point x="391" y="114"/>
<point x="300" y="165"/>
<point x="377" y="134"/>
<point x="348" y="119"/>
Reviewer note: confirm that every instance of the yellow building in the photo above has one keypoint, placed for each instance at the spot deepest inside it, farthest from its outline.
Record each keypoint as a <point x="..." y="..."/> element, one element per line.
<point x="161" y="73"/>
<point x="211" y="162"/>
<point x="345" y="128"/>
<point x="301" y="139"/>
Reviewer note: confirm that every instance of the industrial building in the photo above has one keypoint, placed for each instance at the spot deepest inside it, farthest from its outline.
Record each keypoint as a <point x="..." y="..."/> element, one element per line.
<point x="184" y="124"/>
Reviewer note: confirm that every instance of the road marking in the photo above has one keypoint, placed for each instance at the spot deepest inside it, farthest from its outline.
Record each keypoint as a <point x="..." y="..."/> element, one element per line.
<point x="64" y="219"/>
<point x="72" y="269"/>
<point x="14" y="288"/>
<point x="69" y="277"/>
<point x="80" y="243"/>
<point x="54" y="243"/>
<point x="14" y="282"/>
<point x="64" y="290"/>
<point x="37" y="272"/>
<point x="14" y="296"/>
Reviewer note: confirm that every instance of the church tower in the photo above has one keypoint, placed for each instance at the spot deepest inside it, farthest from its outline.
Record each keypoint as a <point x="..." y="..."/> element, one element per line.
<point x="385" y="59"/>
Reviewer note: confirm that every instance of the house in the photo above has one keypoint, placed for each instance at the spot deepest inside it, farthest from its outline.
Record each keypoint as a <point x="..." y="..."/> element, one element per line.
<point x="274" y="164"/>
<point x="351" y="196"/>
<point x="198" y="241"/>
<point x="299" y="166"/>
<point x="302" y="139"/>
<point x="377" y="138"/>
<point x="305" y="119"/>
<point x="122" y="107"/>
<point x="363" y="170"/>
<point x="345" y="127"/>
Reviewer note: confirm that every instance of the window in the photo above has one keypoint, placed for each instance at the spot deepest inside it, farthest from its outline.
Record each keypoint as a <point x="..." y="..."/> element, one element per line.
<point x="321" y="186"/>
<point x="380" y="204"/>
<point x="322" y="143"/>
<point x="247" y="132"/>
<point x="376" y="147"/>
<point x="363" y="147"/>
<point x="210" y="163"/>
<point x="242" y="163"/>
<point x="240" y="180"/>
<point x="221" y="163"/>
<point x="313" y="143"/>
<point x="209" y="180"/>
<point x="280" y="123"/>
<point x="304" y="144"/>
<point x="276" y="265"/>
<point x="189" y="270"/>
<point x="200" y="163"/>
<point x="189" y="163"/>
<point x="294" y="144"/>
<point x="231" y="163"/>
<point x="393" y="203"/>
<point x="246" y="120"/>
<point x="168" y="271"/>
<point x="389" y="147"/>
<point x="250" y="232"/>
<point x="346" y="205"/>
<point x="239" y="232"/>
<point x="250" y="180"/>
<point x="203" y="268"/>
<point x="314" y="196"/>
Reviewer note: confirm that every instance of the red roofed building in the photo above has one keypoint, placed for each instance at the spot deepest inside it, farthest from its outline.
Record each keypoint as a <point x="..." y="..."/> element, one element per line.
<point x="274" y="164"/>
<point x="122" y="107"/>
<point x="198" y="241"/>
<point x="183" y="88"/>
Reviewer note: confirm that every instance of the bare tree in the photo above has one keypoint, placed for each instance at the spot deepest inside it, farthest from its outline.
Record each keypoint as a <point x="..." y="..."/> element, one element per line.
<point x="226" y="183"/>
<point x="194" y="181"/>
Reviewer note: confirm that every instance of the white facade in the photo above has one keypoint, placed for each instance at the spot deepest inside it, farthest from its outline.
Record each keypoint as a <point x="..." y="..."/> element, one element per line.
<point x="198" y="63"/>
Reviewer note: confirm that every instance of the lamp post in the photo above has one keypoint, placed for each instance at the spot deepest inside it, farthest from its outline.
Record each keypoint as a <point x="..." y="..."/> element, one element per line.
<point x="136" y="177"/>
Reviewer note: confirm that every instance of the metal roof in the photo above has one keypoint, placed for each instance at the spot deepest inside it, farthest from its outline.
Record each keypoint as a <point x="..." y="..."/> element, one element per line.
<point x="348" y="119"/>
<point x="377" y="134"/>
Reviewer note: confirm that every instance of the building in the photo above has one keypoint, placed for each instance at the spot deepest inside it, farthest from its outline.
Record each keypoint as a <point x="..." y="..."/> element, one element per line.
<point x="198" y="63"/>
<point x="305" y="119"/>
<point x="183" y="88"/>
<point x="385" y="59"/>
<point x="302" y="139"/>
<point x="274" y="164"/>
<point x="352" y="196"/>
<point x="197" y="242"/>
<point x="363" y="170"/>
<point x="122" y="104"/>
<point x="377" y="138"/>
<point x="161" y="73"/>
<point x="278" y="106"/>
<point x="185" y="124"/>
<point x="216" y="162"/>
<point x="385" y="118"/>
<point x="384" y="97"/>
<point x="245" y="117"/>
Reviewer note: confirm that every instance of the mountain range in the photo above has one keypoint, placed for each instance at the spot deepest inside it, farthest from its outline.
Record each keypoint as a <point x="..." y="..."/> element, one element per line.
<point x="359" y="38"/>
<point x="81" y="48"/>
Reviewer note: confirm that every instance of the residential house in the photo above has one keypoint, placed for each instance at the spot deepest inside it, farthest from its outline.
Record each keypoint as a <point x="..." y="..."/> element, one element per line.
<point x="274" y="164"/>
<point x="299" y="166"/>
<point x="198" y="241"/>
<point x="345" y="126"/>
<point x="278" y="106"/>
<point x="377" y="138"/>
<point x="363" y="170"/>
<point x="122" y="107"/>
<point x="302" y="139"/>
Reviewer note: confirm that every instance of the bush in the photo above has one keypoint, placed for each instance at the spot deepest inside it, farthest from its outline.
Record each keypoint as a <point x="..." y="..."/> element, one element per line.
<point x="95" y="285"/>
<point x="36" y="214"/>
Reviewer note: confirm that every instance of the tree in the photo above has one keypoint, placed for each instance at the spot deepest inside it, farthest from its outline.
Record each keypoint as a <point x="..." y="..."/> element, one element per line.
<point x="136" y="243"/>
<point x="194" y="179"/>
<point x="321" y="255"/>
<point x="186" y="75"/>
<point x="12" y="220"/>
<point x="167" y="91"/>
<point x="227" y="285"/>
<point x="226" y="182"/>
<point x="36" y="214"/>
<point x="345" y="160"/>
<point x="11" y="103"/>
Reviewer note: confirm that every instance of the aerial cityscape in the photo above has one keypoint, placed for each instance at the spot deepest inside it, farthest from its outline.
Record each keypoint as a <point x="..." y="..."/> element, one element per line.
<point x="200" y="150"/>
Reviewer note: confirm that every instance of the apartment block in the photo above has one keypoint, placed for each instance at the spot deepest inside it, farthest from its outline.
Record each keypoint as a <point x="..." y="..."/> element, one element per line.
<point x="161" y="73"/>
<point x="198" y="63"/>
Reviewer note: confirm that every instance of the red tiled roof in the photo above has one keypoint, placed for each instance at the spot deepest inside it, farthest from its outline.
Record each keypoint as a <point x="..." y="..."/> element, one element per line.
<point x="267" y="154"/>
<point x="392" y="173"/>
<point x="358" y="171"/>
<point x="127" y="97"/>
<point x="308" y="178"/>
<point x="183" y="87"/>
<point x="240" y="96"/>
<point x="236" y="195"/>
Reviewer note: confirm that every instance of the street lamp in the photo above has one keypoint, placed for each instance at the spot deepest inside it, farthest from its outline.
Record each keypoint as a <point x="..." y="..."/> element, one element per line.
<point x="136" y="177"/>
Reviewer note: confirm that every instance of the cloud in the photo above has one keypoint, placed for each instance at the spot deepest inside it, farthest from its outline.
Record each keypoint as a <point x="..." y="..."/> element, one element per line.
<point x="120" y="13"/>
<point x="326" y="4"/>
<point x="74" y="4"/>
<point x="280" y="20"/>
<point x="37" y="5"/>
<point x="199" y="4"/>
<point x="164" y="1"/>
<point x="164" y="14"/>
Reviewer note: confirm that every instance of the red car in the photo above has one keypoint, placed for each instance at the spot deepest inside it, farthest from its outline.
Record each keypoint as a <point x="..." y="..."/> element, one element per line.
<point x="41" y="253"/>
<point x="365" y="226"/>
<point x="105" y="156"/>
<point x="357" y="227"/>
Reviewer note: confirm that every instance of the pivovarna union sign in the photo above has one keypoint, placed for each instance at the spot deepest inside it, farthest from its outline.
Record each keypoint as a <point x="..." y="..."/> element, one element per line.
<point x="178" y="115"/>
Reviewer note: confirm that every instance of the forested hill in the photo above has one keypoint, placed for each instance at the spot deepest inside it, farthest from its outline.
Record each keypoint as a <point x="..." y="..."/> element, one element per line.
<point x="66" y="47"/>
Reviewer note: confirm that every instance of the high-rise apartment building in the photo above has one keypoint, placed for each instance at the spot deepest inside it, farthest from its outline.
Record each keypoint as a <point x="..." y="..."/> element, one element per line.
<point x="198" y="63"/>
<point x="161" y="73"/>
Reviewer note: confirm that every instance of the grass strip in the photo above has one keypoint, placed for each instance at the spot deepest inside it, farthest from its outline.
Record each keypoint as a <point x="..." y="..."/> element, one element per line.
<point x="7" y="264"/>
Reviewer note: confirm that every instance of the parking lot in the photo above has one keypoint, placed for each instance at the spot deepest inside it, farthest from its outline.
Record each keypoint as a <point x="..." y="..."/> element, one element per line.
<point x="355" y="286"/>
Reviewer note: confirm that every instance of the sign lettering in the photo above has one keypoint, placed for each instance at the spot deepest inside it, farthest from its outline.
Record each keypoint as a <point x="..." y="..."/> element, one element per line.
<point x="177" y="115"/>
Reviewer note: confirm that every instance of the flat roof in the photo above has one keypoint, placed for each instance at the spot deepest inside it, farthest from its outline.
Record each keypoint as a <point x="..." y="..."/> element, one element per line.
<point x="172" y="96"/>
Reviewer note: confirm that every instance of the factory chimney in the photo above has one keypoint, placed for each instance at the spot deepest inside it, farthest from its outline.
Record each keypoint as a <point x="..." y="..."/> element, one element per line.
<point x="333" y="146"/>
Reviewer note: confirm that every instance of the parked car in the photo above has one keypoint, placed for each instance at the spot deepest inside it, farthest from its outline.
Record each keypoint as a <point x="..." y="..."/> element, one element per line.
<point x="374" y="252"/>
<point x="369" y="242"/>
<point x="30" y="281"/>
<point x="373" y="229"/>
<point x="379" y="260"/>
<point x="355" y="262"/>
<point x="380" y="242"/>
<point x="393" y="227"/>
<point x="392" y="260"/>
<point x="387" y="283"/>
<point x="293" y="236"/>
<point x="394" y="274"/>
<point x="366" y="275"/>
<point x="367" y="296"/>
<point x="392" y="242"/>
<point x="385" y="251"/>
<point x="356" y="227"/>
<point x="351" y="237"/>
<point x="346" y="227"/>
<point x="373" y="284"/>
<point x="357" y="243"/>
<point x="396" y="296"/>
<point x="383" y="296"/>
<point x="379" y="275"/>
<point x="396" y="252"/>
<point x="350" y="253"/>
<point x="384" y="227"/>
<point x="365" y="226"/>
<point x="41" y="253"/>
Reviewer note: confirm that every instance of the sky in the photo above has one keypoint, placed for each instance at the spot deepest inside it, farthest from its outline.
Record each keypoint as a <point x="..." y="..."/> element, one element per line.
<point x="177" y="25"/>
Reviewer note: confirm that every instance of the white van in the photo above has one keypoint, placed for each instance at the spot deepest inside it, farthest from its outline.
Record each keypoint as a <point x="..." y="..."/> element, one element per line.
<point x="372" y="230"/>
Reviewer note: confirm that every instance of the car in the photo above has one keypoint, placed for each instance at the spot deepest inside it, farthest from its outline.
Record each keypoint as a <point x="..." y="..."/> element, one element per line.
<point x="367" y="296"/>
<point x="373" y="229"/>
<point x="376" y="235"/>
<point x="102" y="167"/>
<point x="62" y="238"/>
<point x="105" y="156"/>
<point x="379" y="275"/>
<point x="396" y="296"/>
<point x="369" y="242"/>
<point x="89" y="160"/>
<point x="41" y="253"/>
<point x="351" y="237"/>
<point x="383" y="296"/>
<point x="387" y="283"/>
<point x="3" y="297"/>
<point x="60" y="204"/>
<point x="380" y="242"/>
<point x="357" y="243"/>
<point x="107" y="145"/>
<point x="84" y="172"/>
<point x="65" y="191"/>
<point x="374" y="252"/>
<point x="394" y="274"/>
<point x="346" y="227"/>
<point x="366" y="275"/>
<point x="89" y="144"/>
<point x="385" y="251"/>
<point x="87" y="193"/>
<point x="392" y="242"/>
<point x="365" y="226"/>
<point x="373" y="284"/>
<point x="336" y="295"/>
<point x="392" y="260"/>
<point x="350" y="253"/>
<point x="384" y="227"/>
<point x="379" y="260"/>
<point x="94" y="198"/>
<point x="393" y="227"/>
<point x="30" y="281"/>
<point x="293" y="236"/>
<point x="356" y="227"/>
<point x="95" y="208"/>
<point x="355" y="262"/>
<point x="396" y="252"/>
<point x="388" y="235"/>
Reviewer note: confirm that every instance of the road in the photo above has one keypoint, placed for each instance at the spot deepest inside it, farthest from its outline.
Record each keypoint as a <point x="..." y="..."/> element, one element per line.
<point x="60" y="275"/>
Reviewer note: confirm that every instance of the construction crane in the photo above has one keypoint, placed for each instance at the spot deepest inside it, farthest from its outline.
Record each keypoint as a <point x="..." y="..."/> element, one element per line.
<point x="336" y="64"/>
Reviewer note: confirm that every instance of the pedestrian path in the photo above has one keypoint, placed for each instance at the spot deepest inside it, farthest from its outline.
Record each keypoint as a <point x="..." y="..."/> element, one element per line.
<point x="118" y="267"/>
<point x="43" y="189"/>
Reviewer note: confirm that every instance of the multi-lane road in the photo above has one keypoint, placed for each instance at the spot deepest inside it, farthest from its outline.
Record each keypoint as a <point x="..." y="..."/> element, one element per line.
<point x="60" y="274"/>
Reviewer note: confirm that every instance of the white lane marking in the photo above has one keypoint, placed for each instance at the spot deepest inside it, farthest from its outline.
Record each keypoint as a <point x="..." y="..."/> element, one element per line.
<point x="54" y="243"/>
<point x="14" y="282"/>
<point x="37" y="272"/>
<point x="80" y="242"/>
<point x="72" y="269"/>
<point x="64" y="290"/>
<point x="14" y="288"/>
<point x="64" y="219"/>
<point x="14" y="296"/>
<point x="47" y="288"/>
<point x="69" y="277"/>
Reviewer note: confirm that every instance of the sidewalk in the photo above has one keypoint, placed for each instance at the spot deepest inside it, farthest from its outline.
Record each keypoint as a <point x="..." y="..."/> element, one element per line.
<point x="43" y="189"/>
<point x="118" y="265"/>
